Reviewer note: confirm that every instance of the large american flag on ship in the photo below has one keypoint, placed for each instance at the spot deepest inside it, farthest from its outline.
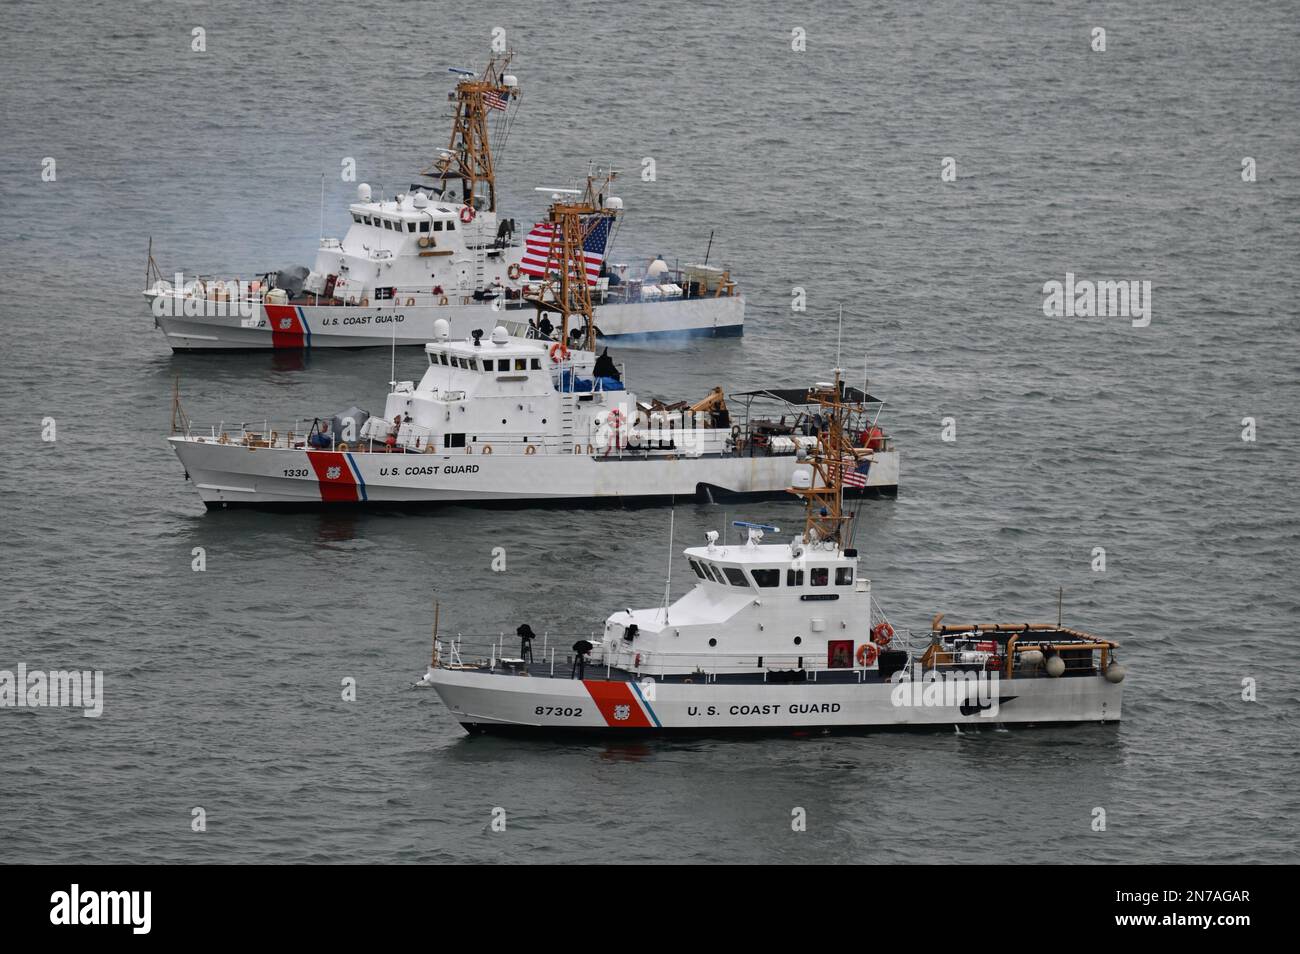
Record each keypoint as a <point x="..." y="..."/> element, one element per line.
<point x="538" y="261"/>
<point x="494" y="99"/>
<point x="852" y="476"/>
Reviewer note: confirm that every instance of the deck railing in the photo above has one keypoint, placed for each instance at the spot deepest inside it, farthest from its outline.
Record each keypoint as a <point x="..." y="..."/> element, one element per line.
<point x="554" y="654"/>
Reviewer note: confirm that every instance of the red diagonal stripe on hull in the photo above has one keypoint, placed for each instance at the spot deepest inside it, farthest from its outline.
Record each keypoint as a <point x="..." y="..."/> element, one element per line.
<point x="341" y="487"/>
<point x="286" y="327"/>
<point x="609" y="696"/>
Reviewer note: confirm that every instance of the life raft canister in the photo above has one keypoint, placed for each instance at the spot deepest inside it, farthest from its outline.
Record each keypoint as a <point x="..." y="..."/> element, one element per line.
<point x="466" y="214"/>
<point x="559" y="352"/>
<point x="882" y="634"/>
<point x="867" y="654"/>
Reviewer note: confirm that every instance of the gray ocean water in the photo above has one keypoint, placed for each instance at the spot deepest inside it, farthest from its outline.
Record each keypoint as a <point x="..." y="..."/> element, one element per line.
<point x="818" y="169"/>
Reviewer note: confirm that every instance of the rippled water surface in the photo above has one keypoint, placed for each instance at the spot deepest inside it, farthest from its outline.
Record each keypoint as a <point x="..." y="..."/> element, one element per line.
<point x="817" y="169"/>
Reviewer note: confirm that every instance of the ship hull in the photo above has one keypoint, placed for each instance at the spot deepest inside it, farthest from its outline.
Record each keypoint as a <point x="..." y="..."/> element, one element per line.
<point x="233" y="475"/>
<point x="219" y="325"/>
<point x="511" y="704"/>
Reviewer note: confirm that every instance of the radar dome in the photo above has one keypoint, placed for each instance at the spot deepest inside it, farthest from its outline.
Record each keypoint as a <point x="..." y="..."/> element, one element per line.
<point x="363" y="192"/>
<point x="614" y="203"/>
<point x="500" y="336"/>
<point x="441" y="330"/>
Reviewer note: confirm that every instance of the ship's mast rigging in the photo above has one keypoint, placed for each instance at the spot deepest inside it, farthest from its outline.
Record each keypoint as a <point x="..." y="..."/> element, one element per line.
<point x="468" y="159"/>
<point x="825" y="519"/>
<point x="564" y="290"/>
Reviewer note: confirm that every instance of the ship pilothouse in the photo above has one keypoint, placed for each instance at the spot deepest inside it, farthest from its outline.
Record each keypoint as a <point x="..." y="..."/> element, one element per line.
<point x="776" y="608"/>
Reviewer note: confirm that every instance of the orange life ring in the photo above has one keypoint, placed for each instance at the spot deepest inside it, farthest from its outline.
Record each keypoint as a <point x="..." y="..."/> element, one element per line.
<point x="531" y="450"/>
<point x="410" y="302"/>
<point x="365" y="302"/>
<point x="514" y="271"/>
<point x="559" y="352"/>
<point x="867" y="654"/>
<point x="487" y="449"/>
<point x="467" y="214"/>
<point x="882" y="634"/>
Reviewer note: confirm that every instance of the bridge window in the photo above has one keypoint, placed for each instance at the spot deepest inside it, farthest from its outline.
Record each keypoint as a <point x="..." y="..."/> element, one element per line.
<point x="424" y="225"/>
<point x="453" y="440"/>
<point x="767" y="577"/>
<point x="437" y="226"/>
<point x="820" y="576"/>
<point x="698" y="572"/>
<point x="410" y="226"/>
<point x="521" y="364"/>
<point x="736" y="576"/>
<point x="717" y="576"/>
<point x="537" y="364"/>
<point x="451" y="226"/>
<point x="844" y="576"/>
<point x="794" y="577"/>
<point x="356" y="217"/>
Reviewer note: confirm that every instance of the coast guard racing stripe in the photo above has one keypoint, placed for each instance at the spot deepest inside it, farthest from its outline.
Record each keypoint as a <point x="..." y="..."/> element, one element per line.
<point x="340" y="480"/>
<point x="622" y="707"/>
<point x="288" y="326"/>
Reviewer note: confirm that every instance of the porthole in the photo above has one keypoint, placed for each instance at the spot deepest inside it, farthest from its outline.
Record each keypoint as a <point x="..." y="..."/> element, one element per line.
<point x="713" y="642"/>
<point x="798" y="640"/>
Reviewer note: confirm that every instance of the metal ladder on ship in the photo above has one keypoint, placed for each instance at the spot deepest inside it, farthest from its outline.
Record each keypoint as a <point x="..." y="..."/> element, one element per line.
<point x="568" y="405"/>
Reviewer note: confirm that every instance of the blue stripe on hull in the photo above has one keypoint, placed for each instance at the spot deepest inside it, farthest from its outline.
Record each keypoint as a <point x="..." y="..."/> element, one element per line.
<point x="726" y="331"/>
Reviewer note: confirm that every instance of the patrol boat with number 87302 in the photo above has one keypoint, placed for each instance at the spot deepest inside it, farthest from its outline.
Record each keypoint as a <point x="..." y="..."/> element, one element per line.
<point x="778" y="638"/>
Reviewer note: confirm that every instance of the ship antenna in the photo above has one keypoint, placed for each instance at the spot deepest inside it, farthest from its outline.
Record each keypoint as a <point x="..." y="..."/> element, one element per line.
<point x="433" y="656"/>
<point x="668" y="580"/>
<point x="839" y="335"/>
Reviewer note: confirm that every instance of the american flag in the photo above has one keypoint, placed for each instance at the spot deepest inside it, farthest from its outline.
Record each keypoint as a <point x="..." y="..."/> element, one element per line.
<point x="494" y="99"/>
<point x="537" y="260"/>
<point x="851" y="476"/>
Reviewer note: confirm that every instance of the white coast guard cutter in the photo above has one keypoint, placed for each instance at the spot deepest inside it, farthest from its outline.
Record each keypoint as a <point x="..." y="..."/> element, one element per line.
<point x="440" y="251"/>
<point x="516" y="419"/>
<point x="778" y="638"/>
